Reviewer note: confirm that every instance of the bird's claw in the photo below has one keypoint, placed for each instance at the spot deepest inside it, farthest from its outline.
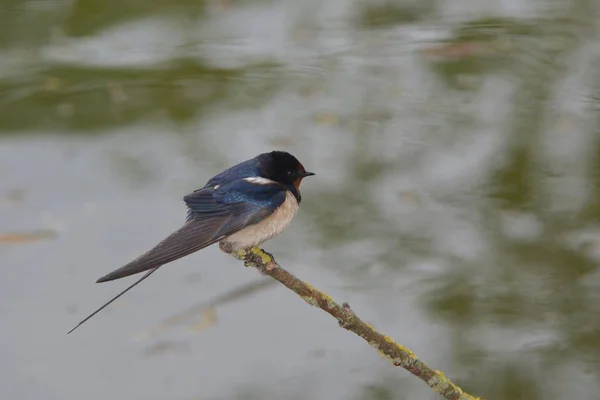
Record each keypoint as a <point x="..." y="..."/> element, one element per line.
<point x="265" y="254"/>
<point x="250" y="256"/>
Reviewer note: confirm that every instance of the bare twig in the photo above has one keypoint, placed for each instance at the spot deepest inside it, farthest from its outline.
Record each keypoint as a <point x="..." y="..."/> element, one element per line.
<point x="398" y="355"/>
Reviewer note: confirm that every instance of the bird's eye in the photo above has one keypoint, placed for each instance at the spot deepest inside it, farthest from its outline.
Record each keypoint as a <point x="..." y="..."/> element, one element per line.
<point x="290" y="173"/>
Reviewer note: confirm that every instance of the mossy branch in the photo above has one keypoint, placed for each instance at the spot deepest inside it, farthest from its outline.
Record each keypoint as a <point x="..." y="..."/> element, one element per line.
<point x="395" y="353"/>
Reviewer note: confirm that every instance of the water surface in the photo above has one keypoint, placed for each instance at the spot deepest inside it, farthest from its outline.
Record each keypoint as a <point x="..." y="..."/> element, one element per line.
<point x="455" y="205"/>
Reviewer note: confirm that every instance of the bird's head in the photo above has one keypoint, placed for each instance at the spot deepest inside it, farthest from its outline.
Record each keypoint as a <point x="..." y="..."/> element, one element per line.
<point x="283" y="168"/>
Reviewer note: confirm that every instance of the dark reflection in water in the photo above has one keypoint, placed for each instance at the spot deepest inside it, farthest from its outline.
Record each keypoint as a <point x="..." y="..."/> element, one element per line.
<point x="456" y="206"/>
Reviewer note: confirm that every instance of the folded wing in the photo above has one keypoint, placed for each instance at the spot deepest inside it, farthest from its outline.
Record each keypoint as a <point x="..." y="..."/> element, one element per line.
<point x="213" y="215"/>
<point x="191" y="237"/>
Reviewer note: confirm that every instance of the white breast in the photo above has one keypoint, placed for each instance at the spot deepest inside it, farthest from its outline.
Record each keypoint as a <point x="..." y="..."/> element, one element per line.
<point x="268" y="228"/>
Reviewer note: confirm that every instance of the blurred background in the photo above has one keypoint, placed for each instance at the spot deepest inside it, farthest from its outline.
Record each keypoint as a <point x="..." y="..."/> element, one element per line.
<point x="457" y="149"/>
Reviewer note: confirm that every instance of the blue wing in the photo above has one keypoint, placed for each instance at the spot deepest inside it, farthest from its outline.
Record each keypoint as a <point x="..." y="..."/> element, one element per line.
<point x="252" y="167"/>
<point x="212" y="215"/>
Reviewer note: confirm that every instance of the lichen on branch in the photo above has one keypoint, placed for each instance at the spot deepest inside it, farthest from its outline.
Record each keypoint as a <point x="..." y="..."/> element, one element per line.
<point x="395" y="353"/>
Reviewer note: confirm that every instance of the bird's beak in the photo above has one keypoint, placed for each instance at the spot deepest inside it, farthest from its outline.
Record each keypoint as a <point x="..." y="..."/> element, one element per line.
<point x="306" y="173"/>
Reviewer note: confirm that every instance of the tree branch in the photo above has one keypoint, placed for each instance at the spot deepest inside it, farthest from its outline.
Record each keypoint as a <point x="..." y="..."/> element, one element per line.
<point x="398" y="355"/>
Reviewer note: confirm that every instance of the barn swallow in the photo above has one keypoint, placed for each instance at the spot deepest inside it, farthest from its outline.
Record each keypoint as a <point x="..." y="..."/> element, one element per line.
<point x="242" y="207"/>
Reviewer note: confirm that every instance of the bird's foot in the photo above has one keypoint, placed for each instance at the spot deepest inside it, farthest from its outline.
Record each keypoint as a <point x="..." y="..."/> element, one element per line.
<point x="262" y="257"/>
<point x="240" y="254"/>
<point x="250" y="256"/>
<point x="265" y="256"/>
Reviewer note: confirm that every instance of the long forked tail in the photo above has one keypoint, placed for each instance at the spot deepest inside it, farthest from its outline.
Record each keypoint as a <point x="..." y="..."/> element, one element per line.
<point x="147" y="274"/>
<point x="191" y="237"/>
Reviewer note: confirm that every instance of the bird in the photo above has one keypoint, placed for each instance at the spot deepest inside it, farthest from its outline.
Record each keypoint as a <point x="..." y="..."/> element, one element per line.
<point x="241" y="207"/>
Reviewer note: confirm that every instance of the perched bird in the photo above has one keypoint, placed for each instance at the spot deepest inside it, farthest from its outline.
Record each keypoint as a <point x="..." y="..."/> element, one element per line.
<point x="241" y="207"/>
